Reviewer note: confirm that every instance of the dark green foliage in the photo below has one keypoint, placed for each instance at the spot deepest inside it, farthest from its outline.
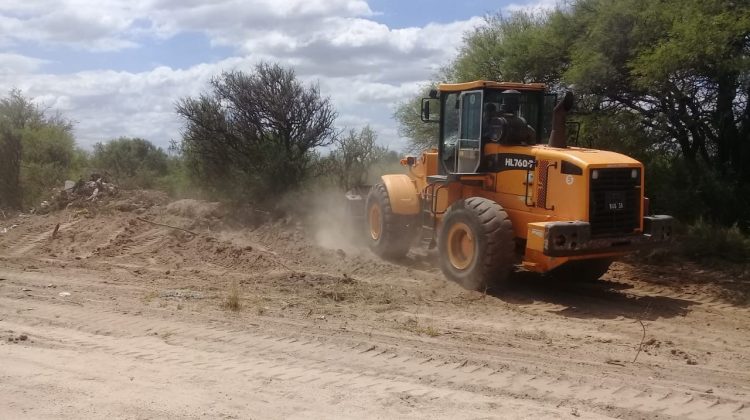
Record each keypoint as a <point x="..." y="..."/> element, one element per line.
<point x="131" y="162"/>
<point x="16" y="114"/>
<point x="37" y="152"/>
<point x="176" y="182"/>
<point x="516" y="48"/>
<point x="422" y="136"/>
<point x="49" y="156"/>
<point x="706" y="241"/>
<point x="252" y="136"/>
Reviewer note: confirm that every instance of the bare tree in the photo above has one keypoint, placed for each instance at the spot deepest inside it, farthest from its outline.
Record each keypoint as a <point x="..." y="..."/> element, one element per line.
<point x="252" y="135"/>
<point x="354" y="156"/>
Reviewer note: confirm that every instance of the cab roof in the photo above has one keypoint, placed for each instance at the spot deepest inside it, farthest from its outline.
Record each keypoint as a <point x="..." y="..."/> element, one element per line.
<point x="487" y="84"/>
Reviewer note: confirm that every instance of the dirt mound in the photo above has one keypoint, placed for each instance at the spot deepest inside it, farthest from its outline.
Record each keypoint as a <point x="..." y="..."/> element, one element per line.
<point x="138" y="200"/>
<point x="80" y="194"/>
<point x="196" y="209"/>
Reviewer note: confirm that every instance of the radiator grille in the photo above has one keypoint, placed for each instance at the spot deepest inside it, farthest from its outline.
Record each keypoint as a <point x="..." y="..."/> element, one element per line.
<point x="615" y="201"/>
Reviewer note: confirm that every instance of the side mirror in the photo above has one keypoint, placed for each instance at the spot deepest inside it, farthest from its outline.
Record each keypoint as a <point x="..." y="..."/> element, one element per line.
<point x="427" y="115"/>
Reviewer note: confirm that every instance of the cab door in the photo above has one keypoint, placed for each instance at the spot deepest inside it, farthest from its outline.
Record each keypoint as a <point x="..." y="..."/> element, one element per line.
<point x="469" y="144"/>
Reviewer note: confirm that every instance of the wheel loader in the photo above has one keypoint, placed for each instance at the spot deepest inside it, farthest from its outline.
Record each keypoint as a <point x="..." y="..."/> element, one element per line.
<point x="503" y="189"/>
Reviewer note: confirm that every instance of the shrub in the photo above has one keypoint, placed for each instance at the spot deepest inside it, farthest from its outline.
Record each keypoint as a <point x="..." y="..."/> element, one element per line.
<point x="131" y="162"/>
<point x="706" y="241"/>
<point x="253" y="136"/>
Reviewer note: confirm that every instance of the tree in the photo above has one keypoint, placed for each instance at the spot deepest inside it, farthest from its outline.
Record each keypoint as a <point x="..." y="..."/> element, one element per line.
<point x="48" y="156"/>
<point x="422" y="136"/>
<point x="36" y="151"/>
<point x="516" y="48"/>
<point x="682" y="67"/>
<point x="252" y="135"/>
<point x="132" y="162"/>
<point x="354" y="156"/>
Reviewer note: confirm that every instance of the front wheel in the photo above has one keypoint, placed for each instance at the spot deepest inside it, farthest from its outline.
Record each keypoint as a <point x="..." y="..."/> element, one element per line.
<point x="476" y="243"/>
<point x="389" y="235"/>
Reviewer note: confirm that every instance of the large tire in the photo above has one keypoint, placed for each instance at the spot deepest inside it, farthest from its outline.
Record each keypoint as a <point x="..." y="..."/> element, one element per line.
<point x="389" y="235"/>
<point x="477" y="243"/>
<point x="582" y="271"/>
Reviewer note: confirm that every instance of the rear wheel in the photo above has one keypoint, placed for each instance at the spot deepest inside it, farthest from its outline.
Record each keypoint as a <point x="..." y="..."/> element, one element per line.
<point x="476" y="242"/>
<point x="389" y="235"/>
<point x="582" y="271"/>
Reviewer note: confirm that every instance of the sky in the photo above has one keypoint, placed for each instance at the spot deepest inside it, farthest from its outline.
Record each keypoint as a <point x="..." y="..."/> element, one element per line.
<point x="117" y="67"/>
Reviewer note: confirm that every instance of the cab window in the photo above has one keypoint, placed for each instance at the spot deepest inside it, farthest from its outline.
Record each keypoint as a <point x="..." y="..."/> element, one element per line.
<point x="532" y="108"/>
<point x="471" y="115"/>
<point x="468" y="155"/>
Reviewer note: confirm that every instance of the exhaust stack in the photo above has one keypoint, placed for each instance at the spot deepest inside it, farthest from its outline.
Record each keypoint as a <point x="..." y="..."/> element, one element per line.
<point x="558" y="136"/>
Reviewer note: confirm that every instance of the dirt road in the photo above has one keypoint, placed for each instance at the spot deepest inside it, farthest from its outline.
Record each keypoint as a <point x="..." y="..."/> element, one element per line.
<point x="119" y="318"/>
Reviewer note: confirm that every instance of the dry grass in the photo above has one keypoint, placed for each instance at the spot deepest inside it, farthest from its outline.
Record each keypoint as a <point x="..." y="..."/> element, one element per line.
<point x="233" y="300"/>
<point x="148" y="297"/>
<point x="413" y="325"/>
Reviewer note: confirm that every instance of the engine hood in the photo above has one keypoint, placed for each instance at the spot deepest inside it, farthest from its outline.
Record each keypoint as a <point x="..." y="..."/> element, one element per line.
<point x="584" y="158"/>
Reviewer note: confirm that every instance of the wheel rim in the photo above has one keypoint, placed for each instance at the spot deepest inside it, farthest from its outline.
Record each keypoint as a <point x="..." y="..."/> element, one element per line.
<point x="461" y="247"/>
<point x="375" y="219"/>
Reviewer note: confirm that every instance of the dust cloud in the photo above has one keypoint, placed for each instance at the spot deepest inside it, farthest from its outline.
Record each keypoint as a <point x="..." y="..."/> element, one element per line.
<point x="333" y="225"/>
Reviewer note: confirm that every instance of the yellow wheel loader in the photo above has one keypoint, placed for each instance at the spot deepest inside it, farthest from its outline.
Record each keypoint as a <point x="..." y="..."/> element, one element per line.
<point x="503" y="188"/>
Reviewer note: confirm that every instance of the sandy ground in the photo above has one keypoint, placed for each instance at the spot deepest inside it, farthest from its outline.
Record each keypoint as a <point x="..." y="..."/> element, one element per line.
<point x="119" y="318"/>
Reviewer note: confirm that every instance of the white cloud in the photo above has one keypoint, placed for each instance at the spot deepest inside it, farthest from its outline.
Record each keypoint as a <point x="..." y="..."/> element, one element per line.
<point x="74" y="23"/>
<point x="11" y="63"/>
<point x="365" y="66"/>
<point x="108" y="104"/>
<point x="534" y="6"/>
<point x="117" y="24"/>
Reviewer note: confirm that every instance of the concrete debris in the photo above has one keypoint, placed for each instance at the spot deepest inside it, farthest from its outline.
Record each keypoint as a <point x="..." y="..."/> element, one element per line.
<point x="79" y="194"/>
<point x="8" y="229"/>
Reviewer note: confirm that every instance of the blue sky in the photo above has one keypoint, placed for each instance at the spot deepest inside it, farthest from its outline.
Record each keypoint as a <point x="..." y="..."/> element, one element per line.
<point x="116" y="68"/>
<point x="401" y="14"/>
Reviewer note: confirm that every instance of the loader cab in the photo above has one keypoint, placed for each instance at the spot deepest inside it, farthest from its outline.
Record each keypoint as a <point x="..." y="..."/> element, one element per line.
<point x="467" y="111"/>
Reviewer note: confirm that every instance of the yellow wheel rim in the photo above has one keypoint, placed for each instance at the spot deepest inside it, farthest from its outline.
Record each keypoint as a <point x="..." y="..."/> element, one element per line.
<point x="461" y="247"/>
<point x="374" y="219"/>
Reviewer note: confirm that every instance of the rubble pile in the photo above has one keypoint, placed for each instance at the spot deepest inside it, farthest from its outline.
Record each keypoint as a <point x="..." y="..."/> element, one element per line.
<point x="80" y="194"/>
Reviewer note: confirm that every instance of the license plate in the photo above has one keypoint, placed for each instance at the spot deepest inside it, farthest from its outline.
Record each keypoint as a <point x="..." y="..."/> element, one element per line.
<point x="615" y="200"/>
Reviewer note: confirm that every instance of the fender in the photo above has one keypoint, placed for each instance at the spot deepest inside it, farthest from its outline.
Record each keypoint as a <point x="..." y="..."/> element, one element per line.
<point x="402" y="193"/>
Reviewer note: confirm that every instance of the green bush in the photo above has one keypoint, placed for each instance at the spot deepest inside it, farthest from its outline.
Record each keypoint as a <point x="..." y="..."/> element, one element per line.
<point x="176" y="182"/>
<point x="47" y="158"/>
<point x="253" y="136"/>
<point x="707" y="241"/>
<point x="131" y="162"/>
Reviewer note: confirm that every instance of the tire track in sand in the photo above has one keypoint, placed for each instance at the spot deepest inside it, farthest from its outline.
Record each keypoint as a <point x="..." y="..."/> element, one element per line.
<point x="361" y="367"/>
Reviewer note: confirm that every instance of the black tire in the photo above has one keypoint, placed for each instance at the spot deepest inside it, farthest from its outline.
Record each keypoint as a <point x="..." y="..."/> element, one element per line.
<point x="396" y="232"/>
<point x="493" y="240"/>
<point x="582" y="271"/>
